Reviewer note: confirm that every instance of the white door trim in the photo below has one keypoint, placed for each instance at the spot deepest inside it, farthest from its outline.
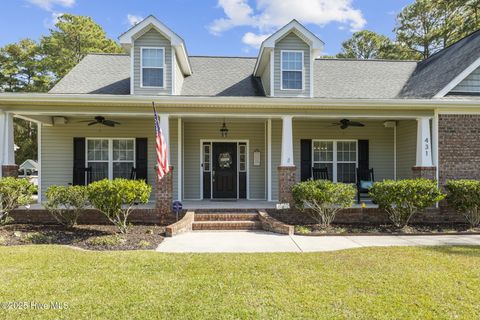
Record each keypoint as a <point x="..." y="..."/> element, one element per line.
<point x="237" y="141"/>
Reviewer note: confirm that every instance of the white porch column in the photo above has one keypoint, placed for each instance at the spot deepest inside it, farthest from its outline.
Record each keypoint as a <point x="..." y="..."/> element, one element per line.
<point x="269" y="159"/>
<point x="7" y="146"/>
<point x="424" y="143"/>
<point x="287" y="142"/>
<point x="179" y="159"/>
<point x="164" y="126"/>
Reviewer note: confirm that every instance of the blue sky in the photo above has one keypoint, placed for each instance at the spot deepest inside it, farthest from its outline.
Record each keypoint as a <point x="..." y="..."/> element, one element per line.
<point x="209" y="27"/>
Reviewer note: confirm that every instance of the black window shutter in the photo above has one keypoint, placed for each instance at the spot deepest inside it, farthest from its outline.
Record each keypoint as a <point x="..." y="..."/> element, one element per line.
<point x="79" y="161"/>
<point x="141" y="157"/>
<point x="363" y="154"/>
<point x="306" y="159"/>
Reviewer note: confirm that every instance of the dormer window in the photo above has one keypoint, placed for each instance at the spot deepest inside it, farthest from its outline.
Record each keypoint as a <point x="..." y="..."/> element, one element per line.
<point x="153" y="67"/>
<point x="292" y="70"/>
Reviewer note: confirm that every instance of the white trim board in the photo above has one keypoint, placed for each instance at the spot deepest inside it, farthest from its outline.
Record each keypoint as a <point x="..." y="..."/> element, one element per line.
<point x="237" y="141"/>
<point x="465" y="73"/>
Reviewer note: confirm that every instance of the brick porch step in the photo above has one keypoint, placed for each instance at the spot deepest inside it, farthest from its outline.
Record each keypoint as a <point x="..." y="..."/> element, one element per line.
<point x="227" y="225"/>
<point x="226" y="220"/>
<point x="226" y="216"/>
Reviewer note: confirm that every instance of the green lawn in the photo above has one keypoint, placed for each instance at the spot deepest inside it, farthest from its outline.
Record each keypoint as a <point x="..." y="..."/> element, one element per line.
<point x="369" y="283"/>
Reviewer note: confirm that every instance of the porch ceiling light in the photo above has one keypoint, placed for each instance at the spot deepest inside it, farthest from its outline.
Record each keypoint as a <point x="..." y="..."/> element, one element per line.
<point x="224" y="129"/>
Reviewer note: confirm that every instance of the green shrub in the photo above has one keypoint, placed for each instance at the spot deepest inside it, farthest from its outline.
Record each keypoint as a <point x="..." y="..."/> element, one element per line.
<point x="464" y="196"/>
<point x="403" y="198"/>
<point x="302" y="230"/>
<point x="65" y="203"/>
<point x="14" y="193"/>
<point x="106" y="241"/>
<point x="116" y="198"/>
<point x="144" y="244"/>
<point x="37" y="238"/>
<point x="324" y="198"/>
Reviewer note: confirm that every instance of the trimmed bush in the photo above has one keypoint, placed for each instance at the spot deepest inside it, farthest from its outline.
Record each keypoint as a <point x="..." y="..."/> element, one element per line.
<point x="324" y="198"/>
<point x="116" y="198"/>
<point x="464" y="196"/>
<point x="14" y="192"/>
<point x="66" y="203"/>
<point x="403" y="198"/>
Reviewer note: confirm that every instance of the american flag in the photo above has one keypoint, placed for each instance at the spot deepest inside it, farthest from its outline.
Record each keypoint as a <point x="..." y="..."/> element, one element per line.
<point x="161" y="148"/>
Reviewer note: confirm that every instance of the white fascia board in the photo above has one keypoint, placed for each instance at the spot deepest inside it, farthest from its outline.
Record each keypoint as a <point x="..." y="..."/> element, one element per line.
<point x="465" y="73"/>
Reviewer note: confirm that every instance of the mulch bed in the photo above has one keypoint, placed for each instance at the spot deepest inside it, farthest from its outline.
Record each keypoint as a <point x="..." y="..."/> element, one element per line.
<point x="414" y="229"/>
<point x="91" y="237"/>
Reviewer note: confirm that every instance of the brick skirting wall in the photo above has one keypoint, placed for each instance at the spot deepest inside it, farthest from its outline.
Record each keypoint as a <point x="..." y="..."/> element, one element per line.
<point x="10" y="170"/>
<point x="286" y="180"/>
<point x="164" y="194"/>
<point x="369" y="216"/>
<point x="459" y="146"/>
<point x="425" y="172"/>
<point x="90" y="216"/>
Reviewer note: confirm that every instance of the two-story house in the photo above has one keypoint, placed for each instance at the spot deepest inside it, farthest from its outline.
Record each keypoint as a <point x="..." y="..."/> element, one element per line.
<point x="246" y="129"/>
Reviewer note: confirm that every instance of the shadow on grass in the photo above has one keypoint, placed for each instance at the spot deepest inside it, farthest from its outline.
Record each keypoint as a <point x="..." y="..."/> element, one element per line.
<point x="469" y="251"/>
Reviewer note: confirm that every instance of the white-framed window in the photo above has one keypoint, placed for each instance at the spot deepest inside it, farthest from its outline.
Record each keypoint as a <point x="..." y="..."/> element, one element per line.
<point x="340" y="157"/>
<point x="291" y="70"/>
<point x="110" y="158"/>
<point x="152" y="67"/>
<point x="242" y="157"/>
<point x="207" y="157"/>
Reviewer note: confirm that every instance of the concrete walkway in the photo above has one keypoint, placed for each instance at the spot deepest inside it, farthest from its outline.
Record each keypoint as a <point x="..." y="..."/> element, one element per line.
<point x="260" y="241"/>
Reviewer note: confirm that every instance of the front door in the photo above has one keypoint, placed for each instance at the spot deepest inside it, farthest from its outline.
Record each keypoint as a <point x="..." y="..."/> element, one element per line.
<point x="224" y="174"/>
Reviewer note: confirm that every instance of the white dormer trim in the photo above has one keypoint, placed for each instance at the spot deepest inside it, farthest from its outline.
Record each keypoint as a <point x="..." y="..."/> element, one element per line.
<point x="316" y="45"/>
<point x="465" y="73"/>
<point x="128" y="38"/>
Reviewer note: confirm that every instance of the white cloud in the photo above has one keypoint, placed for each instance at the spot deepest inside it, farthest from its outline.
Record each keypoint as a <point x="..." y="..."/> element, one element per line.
<point x="254" y="40"/>
<point x="133" y="19"/>
<point x="52" y="21"/>
<point x="269" y="15"/>
<point x="49" y="4"/>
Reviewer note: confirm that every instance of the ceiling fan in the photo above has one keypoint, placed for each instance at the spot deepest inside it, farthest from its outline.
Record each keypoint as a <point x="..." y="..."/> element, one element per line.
<point x="345" y="123"/>
<point x="101" y="120"/>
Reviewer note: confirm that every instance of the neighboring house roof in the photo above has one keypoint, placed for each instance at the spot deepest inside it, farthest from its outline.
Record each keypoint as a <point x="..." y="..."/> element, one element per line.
<point x="97" y="73"/>
<point x="29" y="165"/>
<point x="435" y="73"/>
<point x="360" y="79"/>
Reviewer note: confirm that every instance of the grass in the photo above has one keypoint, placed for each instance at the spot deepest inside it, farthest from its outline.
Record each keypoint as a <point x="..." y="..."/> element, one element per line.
<point x="367" y="283"/>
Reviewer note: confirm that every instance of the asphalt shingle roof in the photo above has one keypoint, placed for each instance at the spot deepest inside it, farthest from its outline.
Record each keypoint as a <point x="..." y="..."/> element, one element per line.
<point x="436" y="72"/>
<point x="333" y="78"/>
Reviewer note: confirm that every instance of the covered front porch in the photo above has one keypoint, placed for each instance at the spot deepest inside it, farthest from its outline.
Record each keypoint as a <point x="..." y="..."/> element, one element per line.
<point x="265" y="153"/>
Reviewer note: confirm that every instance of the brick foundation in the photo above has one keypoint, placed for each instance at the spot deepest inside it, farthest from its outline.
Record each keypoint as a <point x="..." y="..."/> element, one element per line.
<point x="286" y="180"/>
<point x="459" y="149"/>
<point x="10" y="170"/>
<point x="424" y="172"/>
<point x="164" y="194"/>
<point x="90" y="216"/>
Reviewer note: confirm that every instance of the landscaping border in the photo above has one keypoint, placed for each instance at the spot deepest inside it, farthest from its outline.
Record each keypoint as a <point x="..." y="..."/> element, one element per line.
<point x="181" y="226"/>
<point x="273" y="225"/>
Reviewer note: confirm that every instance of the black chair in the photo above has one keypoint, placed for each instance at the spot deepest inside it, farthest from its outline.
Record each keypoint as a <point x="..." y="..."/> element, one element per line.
<point x="133" y="174"/>
<point x="320" y="173"/>
<point x="365" y="180"/>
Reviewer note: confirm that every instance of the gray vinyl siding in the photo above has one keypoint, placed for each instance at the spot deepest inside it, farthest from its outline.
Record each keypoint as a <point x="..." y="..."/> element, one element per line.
<point x="470" y="84"/>
<point x="57" y="147"/>
<point x="292" y="42"/>
<point x="265" y="78"/>
<point x="406" y="148"/>
<point x="276" y="155"/>
<point x="178" y="78"/>
<point x="254" y="132"/>
<point x="152" y="38"/>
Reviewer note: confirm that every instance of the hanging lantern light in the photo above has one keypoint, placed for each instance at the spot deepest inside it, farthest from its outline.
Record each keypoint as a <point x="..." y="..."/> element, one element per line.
<point x="224" y="130"/>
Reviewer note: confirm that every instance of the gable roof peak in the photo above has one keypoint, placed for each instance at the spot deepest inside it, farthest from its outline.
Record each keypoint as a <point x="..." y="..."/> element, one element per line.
<point x="128" y="38"/>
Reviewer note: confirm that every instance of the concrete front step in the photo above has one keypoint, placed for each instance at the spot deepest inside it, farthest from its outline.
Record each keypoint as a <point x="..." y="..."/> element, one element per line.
<point x="227" y="216"/>
<point x="227" y="225"/>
